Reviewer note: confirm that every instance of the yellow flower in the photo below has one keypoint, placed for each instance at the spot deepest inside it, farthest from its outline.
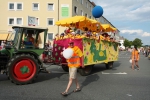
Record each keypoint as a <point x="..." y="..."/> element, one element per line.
<point x="101" y="53"/>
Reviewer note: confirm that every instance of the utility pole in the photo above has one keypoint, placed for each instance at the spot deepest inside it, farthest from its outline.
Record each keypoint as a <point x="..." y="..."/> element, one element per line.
<point x="58" y="17"/>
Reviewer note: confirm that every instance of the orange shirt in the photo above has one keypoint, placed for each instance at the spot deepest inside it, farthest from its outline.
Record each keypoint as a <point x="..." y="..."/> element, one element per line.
<point x="74" y="61"/>
<point x="135" y="55"/>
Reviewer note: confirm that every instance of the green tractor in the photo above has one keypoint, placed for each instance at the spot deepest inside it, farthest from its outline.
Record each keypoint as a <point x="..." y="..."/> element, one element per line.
<point x="20" y="58"/>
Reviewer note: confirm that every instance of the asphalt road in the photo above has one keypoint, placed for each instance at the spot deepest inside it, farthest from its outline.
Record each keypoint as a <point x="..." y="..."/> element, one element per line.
<point x="119" y="83"/>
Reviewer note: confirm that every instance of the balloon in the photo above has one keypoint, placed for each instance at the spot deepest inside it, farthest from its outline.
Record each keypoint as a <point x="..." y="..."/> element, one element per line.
<point x="130" y="60"/>
<point x="97" y="11"/>
<point x="67" y="53"/>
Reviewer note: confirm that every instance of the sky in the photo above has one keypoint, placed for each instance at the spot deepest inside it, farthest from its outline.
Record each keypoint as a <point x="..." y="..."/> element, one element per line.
<point x="130" y="17"/>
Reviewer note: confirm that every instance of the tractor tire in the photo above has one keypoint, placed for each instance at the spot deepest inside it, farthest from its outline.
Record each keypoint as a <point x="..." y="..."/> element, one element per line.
<point x="85" y="71"/>
<point x="65" y="68"/>
<point x="23" y="69"/>
<point x="109" y="65"/>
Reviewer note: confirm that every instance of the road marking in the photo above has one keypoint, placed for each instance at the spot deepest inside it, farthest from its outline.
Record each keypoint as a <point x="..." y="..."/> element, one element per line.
<point x="129" y="95"/>
<point x="115" y="73"/>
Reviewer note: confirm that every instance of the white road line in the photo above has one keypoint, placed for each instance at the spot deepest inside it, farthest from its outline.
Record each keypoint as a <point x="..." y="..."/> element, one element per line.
<point x="115" y="73"/>
<point x="129" y="95"/>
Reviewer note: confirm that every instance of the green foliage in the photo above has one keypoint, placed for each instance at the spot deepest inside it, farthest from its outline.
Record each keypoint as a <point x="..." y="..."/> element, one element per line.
<point x="127" y="43"/>
<point x="137" y="42"/>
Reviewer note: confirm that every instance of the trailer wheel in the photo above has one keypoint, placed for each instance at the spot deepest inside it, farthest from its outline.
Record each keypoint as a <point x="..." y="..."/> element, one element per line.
<point x="109" y="65"/>
<point x="85" y="71"/>
<point x="65" y="68"/>
<point x="23" y="69"/>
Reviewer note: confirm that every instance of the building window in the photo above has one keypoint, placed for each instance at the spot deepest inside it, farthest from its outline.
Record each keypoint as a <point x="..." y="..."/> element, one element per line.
<point x="86" y="15"/>
<point x="11" y="6"/>
<point x="11" y="21"/>
<point x="35" y="6"/>
<point x="15" y="6"/>
<point x="19" y="21"/>
<point x="50" y="6"/>
<point x="50" y="21"/>
<point x="75" y="9"/>
<point x="90" y="17"/>
<point x="86" y="4"/>
<point x="19" y="6"/>
<point x="81" y="1"/>
<point x="50" y="36"/>
<point x="81" y="13"/>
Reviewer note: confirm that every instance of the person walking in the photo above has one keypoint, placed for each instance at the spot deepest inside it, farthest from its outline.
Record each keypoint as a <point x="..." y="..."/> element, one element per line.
<point x="73" y="64"/>
<point x="135" y="58"/>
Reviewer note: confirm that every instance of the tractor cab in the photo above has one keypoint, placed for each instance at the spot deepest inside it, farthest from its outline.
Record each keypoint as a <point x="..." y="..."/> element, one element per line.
<point x="28" y="37"/>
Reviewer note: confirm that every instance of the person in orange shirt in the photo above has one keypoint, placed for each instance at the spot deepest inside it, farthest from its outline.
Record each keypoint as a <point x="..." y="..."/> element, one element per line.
<point x="135" y="57"/>
<point x="73" y="64"/>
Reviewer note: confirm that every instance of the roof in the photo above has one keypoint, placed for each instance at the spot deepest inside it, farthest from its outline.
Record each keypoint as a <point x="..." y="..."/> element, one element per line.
<point x="32" y="27"/>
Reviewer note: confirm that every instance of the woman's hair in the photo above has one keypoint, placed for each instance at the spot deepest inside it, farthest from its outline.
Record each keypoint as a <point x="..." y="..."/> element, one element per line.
<point x="135" y="47"/>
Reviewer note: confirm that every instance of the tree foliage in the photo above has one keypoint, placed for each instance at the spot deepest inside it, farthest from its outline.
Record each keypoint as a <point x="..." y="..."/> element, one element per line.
<point x="127" y="43"/>
<point x="137" y="42"/>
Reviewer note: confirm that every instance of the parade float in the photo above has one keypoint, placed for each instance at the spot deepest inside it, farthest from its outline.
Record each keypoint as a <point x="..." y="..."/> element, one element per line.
<point x="95" y="50"/>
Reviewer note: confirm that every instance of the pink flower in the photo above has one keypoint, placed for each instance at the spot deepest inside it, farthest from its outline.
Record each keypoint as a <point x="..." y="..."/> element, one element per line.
<point x="87" y="53"/>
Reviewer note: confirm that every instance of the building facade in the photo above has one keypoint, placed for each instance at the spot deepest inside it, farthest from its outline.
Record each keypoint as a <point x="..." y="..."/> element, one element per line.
<point x="46" y="12"/>
<point x="121" y="41"/>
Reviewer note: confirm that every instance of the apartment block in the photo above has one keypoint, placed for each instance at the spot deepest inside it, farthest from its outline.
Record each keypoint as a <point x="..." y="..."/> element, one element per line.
<point x="46" y="12"/>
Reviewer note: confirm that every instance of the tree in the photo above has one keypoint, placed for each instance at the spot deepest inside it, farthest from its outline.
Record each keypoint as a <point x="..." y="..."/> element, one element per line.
<point x="127" y="43"/>
<point x="137" y="42"/>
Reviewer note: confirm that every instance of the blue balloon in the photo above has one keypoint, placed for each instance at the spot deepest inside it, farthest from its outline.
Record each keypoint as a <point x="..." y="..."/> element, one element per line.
<point x="97" y="11"/>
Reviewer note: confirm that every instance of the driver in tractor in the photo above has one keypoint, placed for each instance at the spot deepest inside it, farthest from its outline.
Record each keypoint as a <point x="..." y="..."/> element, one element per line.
<point x="29" y="41"/>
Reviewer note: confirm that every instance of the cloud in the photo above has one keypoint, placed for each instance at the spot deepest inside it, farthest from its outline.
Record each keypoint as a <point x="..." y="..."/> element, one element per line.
<point x="136" y="32"/>
<point x="146" y="34"/>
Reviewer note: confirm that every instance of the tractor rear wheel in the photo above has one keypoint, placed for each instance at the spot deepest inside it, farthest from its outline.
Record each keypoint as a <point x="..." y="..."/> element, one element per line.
<point x="23" y="69"/>
<point x="86" y="71"/>
<point x="65" y="68"/>
<point x="109" y="65"/>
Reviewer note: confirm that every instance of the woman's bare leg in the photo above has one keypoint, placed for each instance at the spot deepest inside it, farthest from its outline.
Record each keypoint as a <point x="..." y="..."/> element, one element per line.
<point x="136" y="63"/>
<point x="133" y="64"/>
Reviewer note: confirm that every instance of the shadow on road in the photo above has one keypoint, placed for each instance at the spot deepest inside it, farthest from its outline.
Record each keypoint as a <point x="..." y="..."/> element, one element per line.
<point x="47" y="76"/>
<point x="89" y="79"/>
<point x="102" y="67"/>
<point x="3" y="78"/>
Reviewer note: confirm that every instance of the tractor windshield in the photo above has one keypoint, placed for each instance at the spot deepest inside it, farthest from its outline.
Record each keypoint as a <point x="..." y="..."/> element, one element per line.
<point x="13" y="37"/>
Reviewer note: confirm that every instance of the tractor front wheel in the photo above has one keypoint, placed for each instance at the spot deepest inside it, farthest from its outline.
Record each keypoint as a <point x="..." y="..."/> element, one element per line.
<point x="22" y="69"/>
